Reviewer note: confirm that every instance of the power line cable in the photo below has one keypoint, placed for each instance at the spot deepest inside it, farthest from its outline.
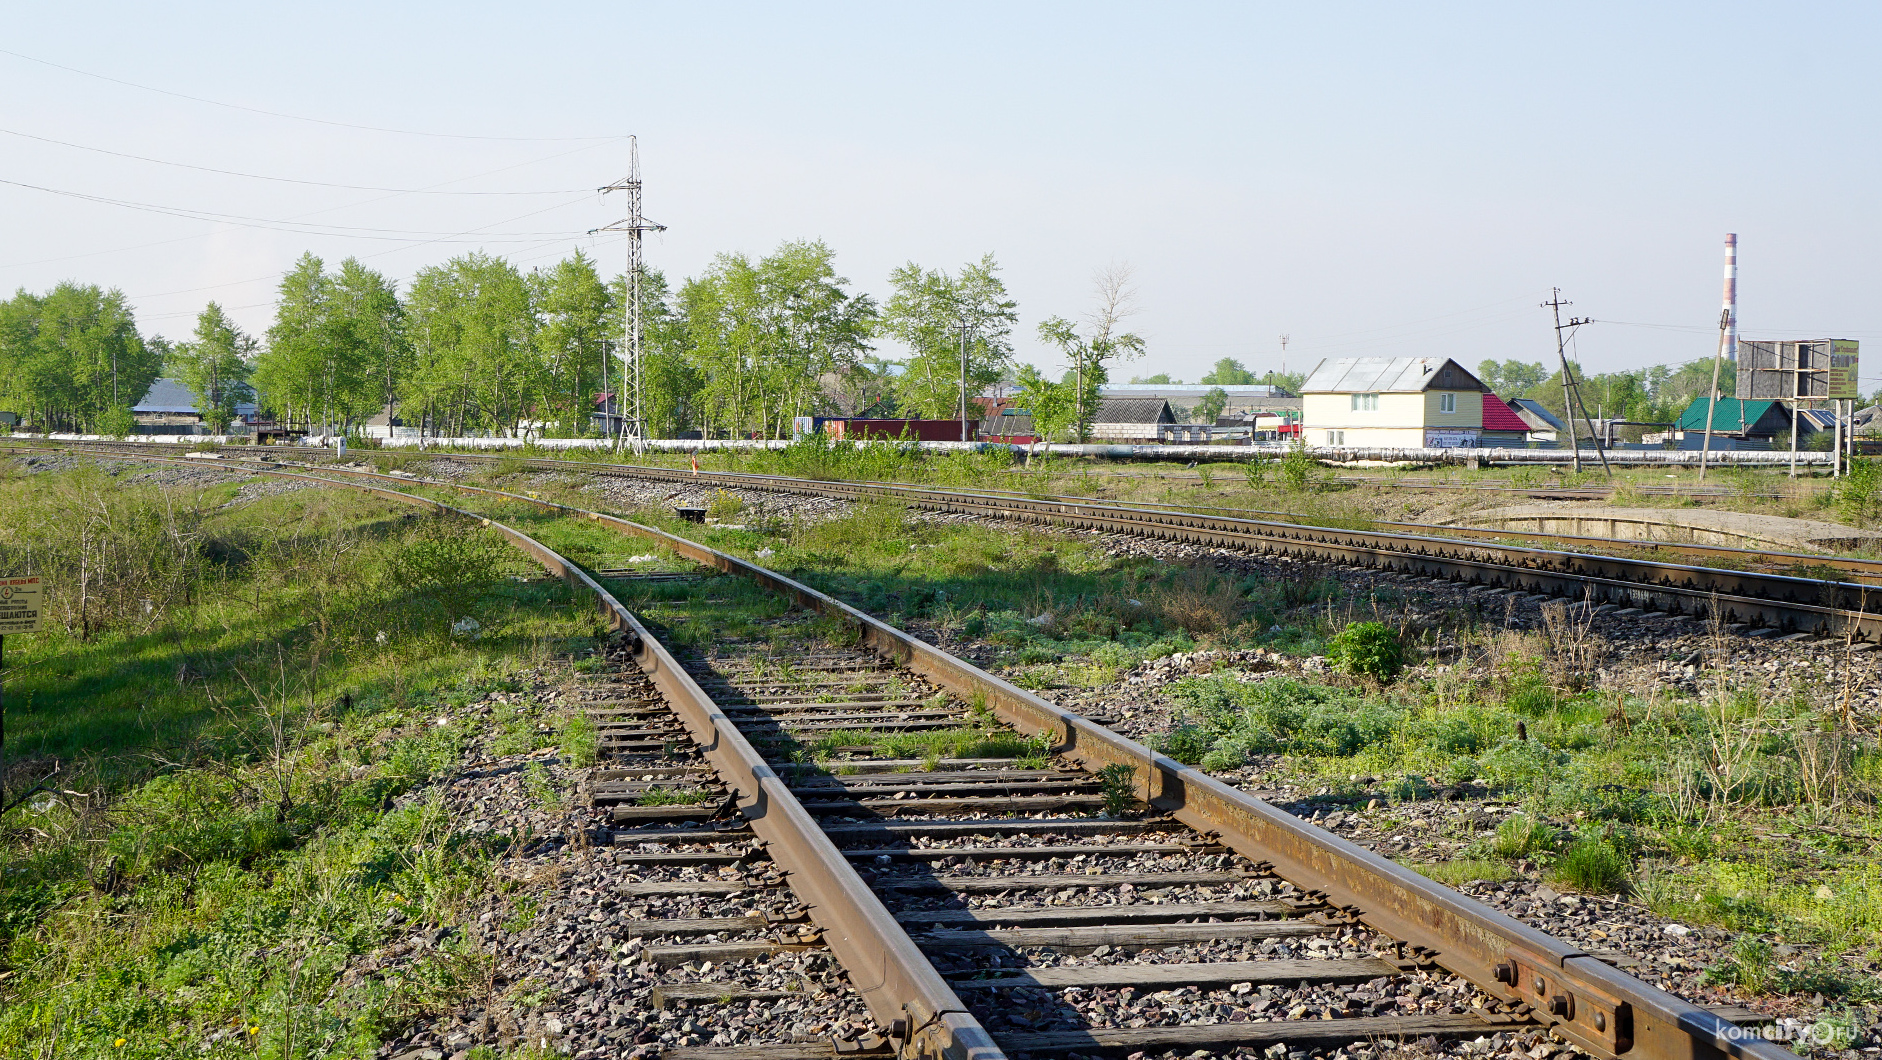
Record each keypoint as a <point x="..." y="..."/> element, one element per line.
<point x="298" y="117"/>
<point x="310" y="213"/>
<point x="592" y="245"/>
<point x="281" y="180"/>
<point x="276" y="225"/>
<point x="556" y="238"/>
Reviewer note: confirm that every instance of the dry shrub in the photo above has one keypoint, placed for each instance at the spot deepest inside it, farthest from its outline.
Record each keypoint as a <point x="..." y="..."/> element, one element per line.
<point x="1199" y="600"/>
<point x="1573" y="646"/>
<point x="112" y="554"/>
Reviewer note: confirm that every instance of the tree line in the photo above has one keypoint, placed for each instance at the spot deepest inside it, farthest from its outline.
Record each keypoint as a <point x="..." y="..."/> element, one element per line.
<point x="1657" y="394"/>
<point x="476" y="345"/>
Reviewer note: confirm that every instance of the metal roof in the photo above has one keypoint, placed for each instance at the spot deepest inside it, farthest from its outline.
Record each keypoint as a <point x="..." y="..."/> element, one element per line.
<point x="1168" y="390"/>
<point x="1500" y="417"/>
<point x="1534" y="413"/>
<point x="1733" y="415"/>
<point x="1388" y="375"/>
<point x="1133" y="410"/>
<point x="169" y="397"/>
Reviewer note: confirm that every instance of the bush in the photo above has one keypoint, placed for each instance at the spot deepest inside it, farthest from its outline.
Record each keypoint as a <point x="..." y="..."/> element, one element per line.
<point x="1283" y="716"/>
<point x="1748" y="968"/>
<point x="1521" y="835"/>
<point x="1186" y="743"/>
<point x="724" y="506"/>
<point x="1368" y="649"/>
<point x="1298" y="467"/>
<point x="1592" y="865"/>
<point x="1860" y="495"/>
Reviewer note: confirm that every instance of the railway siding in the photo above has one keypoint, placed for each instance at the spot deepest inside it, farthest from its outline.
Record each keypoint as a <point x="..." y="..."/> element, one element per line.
<point x="1580" y="997"/>
<point x="1528" y="975"/>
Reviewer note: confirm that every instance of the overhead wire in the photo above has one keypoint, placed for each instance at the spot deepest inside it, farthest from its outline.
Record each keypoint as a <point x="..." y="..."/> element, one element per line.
<point x="280" y="180"/>
<point x="272" y="224"/>
<point x="311" y="213"/>
<point x="301" y="117"/>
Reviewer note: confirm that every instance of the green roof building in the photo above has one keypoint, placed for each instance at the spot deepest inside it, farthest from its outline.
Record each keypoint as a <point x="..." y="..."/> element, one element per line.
<point x="1743" y="419"/>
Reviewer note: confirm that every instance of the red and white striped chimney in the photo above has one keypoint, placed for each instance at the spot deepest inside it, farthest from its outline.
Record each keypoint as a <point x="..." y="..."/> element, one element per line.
<point x="1731" y="296"/>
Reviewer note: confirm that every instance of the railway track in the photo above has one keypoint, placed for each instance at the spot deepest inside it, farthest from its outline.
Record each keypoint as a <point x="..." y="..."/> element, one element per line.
<point x="1030" y="882"/>
<point x="1733" y="558"/>
<point x="1757" y="601"/>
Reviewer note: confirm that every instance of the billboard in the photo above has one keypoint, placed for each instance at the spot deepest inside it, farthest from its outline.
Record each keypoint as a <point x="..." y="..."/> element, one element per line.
<point x="1844" y="379"/>
<point x="1793" y="369"/>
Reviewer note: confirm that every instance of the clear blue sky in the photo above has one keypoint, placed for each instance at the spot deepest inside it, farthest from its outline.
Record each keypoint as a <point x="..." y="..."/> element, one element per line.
<point x="1371" y="179"/>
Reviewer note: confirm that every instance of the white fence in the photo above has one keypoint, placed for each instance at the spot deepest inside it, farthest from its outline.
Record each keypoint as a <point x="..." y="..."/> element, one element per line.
<point x="1208" y="453"/>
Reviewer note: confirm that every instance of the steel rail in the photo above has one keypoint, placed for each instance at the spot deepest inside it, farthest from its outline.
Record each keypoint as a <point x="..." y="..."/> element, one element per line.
<point x="1754" y="598"/>
<point x="1855" y="566"/>
<point x="1581" y="998"/>
<point x="901" y="988"/>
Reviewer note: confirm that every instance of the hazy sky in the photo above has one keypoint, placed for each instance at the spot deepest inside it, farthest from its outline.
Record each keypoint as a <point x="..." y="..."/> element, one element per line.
<point x="1384" y="179"/>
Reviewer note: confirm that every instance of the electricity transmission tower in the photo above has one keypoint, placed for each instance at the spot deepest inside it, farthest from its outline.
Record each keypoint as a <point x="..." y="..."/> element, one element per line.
<point x="630" y="410"/>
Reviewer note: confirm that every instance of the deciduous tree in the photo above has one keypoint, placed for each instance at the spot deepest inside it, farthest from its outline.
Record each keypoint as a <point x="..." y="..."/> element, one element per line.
<point x="215" y="367"/>
<point x="927" y="313"/>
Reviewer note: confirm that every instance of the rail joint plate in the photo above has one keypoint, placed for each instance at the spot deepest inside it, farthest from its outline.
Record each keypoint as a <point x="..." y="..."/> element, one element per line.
<point x="1581" y="1009"/>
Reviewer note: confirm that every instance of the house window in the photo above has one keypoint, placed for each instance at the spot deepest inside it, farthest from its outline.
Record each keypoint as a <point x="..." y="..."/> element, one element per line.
<point x="1447" y="402"/>
<point x="1336" y="437"/>
<point x="1365" y="402"/>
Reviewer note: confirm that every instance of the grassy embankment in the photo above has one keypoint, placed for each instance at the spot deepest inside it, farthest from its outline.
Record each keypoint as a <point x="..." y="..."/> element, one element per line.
<point x="246" y="700"/>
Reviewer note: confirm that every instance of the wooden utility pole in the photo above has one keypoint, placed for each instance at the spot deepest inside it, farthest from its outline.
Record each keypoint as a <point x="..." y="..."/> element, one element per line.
<point x="1571" y="390"/>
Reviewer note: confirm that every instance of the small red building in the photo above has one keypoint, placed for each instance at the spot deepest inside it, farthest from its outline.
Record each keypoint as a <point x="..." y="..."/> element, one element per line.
<point x="918" y="430"/>
<point x="1501" y="425"/>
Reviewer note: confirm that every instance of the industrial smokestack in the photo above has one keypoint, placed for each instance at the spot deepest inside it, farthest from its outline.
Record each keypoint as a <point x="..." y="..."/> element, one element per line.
<point x="1731" y="296"/>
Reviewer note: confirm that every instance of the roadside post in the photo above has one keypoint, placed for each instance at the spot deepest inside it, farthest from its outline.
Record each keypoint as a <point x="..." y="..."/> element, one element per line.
<point x="20" y="612"/>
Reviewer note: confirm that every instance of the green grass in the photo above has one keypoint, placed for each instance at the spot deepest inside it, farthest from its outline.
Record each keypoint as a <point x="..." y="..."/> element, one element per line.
<point x="1591" y="864"/>
<point x="255" y="759"/>
<point x="1459" y="871"/>
<point x="672" y="797"/>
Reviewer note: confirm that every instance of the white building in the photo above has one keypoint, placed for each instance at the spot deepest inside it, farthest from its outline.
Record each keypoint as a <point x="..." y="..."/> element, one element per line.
<point x="1392" y="402"/>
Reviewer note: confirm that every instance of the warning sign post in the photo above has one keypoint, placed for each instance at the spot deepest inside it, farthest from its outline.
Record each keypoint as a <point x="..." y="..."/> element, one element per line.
<point x="20" y="606"/>
<point x="20" y="612"/>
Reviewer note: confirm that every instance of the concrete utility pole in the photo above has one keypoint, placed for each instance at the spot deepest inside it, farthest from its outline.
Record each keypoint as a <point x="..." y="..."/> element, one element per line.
<point x="1712" y="402"/>
<point x="633" y="225"/>
<point x="964" y="329"/>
